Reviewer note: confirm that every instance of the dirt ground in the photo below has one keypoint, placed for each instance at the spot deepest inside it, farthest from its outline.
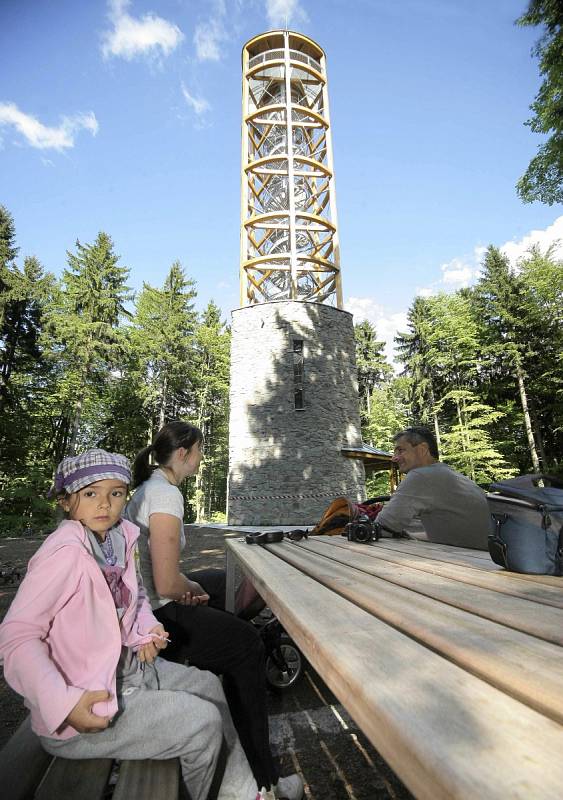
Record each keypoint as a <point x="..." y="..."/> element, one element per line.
<point x="310" y="731"/>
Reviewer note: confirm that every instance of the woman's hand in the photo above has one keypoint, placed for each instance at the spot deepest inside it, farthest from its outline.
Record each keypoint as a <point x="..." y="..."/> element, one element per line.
<point x="195" y="596"/>
<point x="82" y="717"/>
<point x="148" y="652"/>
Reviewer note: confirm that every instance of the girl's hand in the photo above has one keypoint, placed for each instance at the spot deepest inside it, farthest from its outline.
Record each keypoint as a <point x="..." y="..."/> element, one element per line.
<point x="83" y="719"/>
<point x="148" y="652"/>
<point x="195" y="596"/>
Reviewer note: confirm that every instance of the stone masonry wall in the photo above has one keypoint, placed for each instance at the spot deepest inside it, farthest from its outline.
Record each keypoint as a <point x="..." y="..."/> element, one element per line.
<point x="285" y="465"/>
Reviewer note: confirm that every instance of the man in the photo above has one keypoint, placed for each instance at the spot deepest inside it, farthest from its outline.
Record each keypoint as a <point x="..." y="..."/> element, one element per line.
<point x="452" y="509"/>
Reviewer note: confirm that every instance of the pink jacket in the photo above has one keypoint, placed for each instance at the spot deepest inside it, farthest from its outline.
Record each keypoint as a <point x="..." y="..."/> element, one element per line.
<point x="61" y="635"/>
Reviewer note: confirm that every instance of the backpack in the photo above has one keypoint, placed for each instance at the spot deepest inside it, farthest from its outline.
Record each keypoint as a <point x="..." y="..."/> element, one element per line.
<point x="527" y="519"/>
<point x="342" y="511"/>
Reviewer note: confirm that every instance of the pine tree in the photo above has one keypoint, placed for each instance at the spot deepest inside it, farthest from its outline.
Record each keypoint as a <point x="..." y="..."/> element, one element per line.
<point x="162" y="337"/>
<point x="541" y="278"/>
<point x="371" y="363"/>
<point x="414" y="352"/>
<point x="85" y="323"/>
<point x="19" y="345"/>
<point x="25" y="464"/>
<point x="8" y="253"/>
<point x="211" y="378"/>
<point x="507" y="339"/>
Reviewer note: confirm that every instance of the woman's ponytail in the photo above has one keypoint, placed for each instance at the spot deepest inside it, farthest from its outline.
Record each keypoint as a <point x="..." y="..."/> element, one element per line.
<point x="142" y="469"/>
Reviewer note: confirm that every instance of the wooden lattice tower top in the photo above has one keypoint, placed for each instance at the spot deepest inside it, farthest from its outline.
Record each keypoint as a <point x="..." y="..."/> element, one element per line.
<point x="289" y="236"/>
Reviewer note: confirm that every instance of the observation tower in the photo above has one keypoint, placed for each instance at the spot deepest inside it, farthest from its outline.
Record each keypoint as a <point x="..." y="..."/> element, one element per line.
<point x="294" y="396"/>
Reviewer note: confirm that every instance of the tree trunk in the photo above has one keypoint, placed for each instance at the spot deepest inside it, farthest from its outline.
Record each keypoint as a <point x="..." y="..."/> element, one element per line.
<point x="199" y="497"/>
<point x="468" y="435"/>
<point x="75" y="425"/>
<point x="464" y="446"/>
<point x="9" y="359"/>
<point x="162" y="412"/>
<point x="8" y="364"/>
<point x="435" y="417"/>
<point x="539" y="439"/>
<point x="527" y="421"/>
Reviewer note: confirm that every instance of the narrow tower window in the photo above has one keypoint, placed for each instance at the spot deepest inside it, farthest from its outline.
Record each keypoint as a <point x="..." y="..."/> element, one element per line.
<point x="298" y="374"/>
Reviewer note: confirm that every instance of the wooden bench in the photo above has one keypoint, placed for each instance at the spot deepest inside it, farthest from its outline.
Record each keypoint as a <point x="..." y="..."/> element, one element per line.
<point x="452" y="667"/>
<point x="27" y="771"/>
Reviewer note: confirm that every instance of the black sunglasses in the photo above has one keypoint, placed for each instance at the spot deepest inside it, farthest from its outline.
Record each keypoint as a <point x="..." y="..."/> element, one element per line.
<point x="270" y="537"/>
<point x="297" y="535"/>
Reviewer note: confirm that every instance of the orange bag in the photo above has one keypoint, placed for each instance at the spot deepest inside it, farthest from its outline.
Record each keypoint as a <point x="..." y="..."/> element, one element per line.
<point x="342" y="511"/>
<point x="339" y="513"/>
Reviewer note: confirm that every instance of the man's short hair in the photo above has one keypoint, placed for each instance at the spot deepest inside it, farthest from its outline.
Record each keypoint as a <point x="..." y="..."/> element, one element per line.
<point x="417" y="434"/>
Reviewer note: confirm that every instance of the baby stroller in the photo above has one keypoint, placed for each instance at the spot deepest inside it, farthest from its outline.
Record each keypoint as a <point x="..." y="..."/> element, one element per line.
<point x="284" y="662"/>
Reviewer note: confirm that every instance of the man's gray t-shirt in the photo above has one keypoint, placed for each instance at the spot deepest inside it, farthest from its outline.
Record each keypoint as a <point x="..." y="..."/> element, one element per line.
<point x="155" y="496"/>
<point x="452" y="509"/>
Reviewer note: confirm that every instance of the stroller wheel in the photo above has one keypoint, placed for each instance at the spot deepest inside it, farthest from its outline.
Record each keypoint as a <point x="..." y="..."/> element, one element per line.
<point x="284" y="664"/>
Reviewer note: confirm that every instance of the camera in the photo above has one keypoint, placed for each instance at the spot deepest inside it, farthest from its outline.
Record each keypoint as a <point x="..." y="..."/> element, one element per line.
<point x="361" y="530"/>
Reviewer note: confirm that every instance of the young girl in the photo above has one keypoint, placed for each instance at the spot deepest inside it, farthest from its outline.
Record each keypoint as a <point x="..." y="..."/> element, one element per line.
<point x="80" y="633"/>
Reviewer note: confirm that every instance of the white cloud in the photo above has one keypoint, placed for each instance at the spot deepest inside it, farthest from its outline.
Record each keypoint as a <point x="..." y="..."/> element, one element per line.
<point x="386" y="324"/>
<point x="283" y="13"/>
<point x="457" y="274"/>
<point x="42" y="136"/>
<point x="132" y="36"/>
<point x="426" y="291"/>
<point x="208" y="37"/>
<point x="198" y="104"/>
<point x="515" y="250"/>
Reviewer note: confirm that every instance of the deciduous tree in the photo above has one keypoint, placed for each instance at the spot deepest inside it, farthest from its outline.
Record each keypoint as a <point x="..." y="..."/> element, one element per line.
<point x="543" y="180"/>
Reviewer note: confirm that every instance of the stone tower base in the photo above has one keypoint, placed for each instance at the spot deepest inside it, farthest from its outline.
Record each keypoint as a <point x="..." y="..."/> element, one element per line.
<point x="294" y="405"/>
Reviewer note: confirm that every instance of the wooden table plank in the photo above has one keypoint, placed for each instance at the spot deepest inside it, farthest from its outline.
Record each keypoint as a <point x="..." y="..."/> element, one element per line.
<point x="501" y="581"/>
<point x="432" y="721"/>
<point x="536" y="619"/>
<point x="522" y="665"/>
<point x="478" y="559"/>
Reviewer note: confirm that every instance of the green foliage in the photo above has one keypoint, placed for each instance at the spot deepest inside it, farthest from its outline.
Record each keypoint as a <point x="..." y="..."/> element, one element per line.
<point x="414" y="348"/>
<point x="162" y="340"/>
<point x="543" y="180"/>
<point x="389" y="413"/>
<point x="482" y="367"/>
<point x="371" y="362"/>
<point x="467" y="444"/>
<point x="85" y="324"/>
<point x="458" y="357"/>
<point x="8" y="253"/>
<point x="211" y="385"/>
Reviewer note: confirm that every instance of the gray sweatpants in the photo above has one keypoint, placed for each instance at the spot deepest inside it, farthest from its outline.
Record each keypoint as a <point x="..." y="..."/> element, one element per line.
<point x="186" y="718"/>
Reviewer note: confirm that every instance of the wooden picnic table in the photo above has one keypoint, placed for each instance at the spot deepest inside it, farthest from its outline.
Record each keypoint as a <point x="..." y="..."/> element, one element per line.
<point x="451" y="666"/>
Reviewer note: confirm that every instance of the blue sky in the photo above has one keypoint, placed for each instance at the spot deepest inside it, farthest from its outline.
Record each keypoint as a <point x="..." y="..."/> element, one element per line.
<point x="124" y="116"/>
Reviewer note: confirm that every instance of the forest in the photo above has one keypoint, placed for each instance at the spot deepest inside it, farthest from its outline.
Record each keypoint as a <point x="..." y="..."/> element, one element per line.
<point x="85" y="362"/>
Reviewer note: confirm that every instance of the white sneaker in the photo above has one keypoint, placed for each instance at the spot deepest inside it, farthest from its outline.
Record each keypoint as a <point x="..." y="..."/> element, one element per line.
<point x="266" y="794"/>
<point x="289" y="788"/>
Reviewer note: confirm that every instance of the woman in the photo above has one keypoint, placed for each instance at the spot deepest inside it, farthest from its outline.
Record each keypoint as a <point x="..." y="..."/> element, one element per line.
<point x="191" y="607"/>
